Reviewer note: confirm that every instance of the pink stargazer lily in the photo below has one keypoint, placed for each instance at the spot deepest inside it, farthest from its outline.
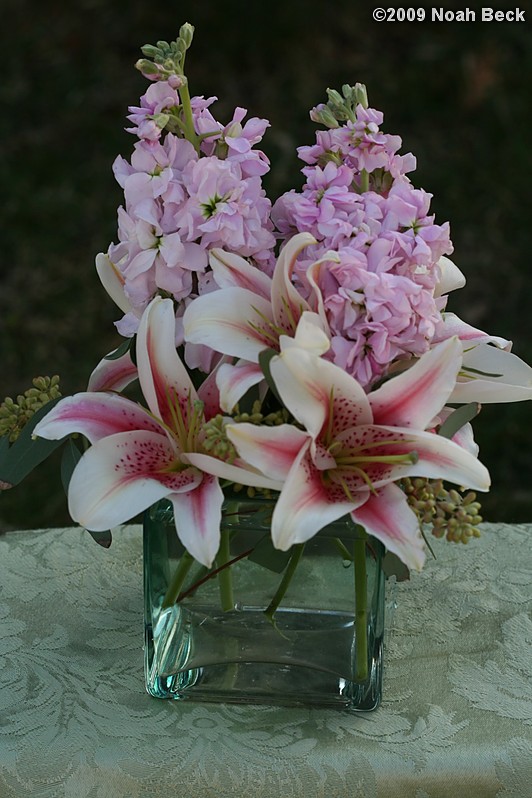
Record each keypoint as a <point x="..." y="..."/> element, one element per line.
<point x="248" y="314"/>
<point x="354" y="447"/>
<point x="139" y="456"/>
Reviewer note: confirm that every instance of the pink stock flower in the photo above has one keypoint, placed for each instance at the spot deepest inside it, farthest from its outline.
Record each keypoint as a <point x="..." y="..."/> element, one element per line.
<point x="147" y="118"/>
<point x="224" y="209"/>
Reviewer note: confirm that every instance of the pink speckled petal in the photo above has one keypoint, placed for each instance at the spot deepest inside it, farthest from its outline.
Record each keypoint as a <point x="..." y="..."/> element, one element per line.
<point x="306" y="384"/>
<point x="123" y="474"/>
<point x="272" y="450"/>
<point x="388" y="517"/>
<point x="95" y="415"/>
<point x="198" y="514"/>
<point x="307" y="504"/>
<point x="437" y="457"/>
<point x="418" y="394"/>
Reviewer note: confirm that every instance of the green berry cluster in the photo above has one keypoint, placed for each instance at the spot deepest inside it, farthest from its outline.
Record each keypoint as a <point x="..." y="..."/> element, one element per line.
<point x="256" y="416"/>
<point x="215" y="440"/>
<point x="453" y="515"/>
<point x="15" y="415"/>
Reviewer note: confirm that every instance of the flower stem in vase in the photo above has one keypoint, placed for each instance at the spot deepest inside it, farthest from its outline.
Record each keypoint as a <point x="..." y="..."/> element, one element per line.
<point x="225" y="576"/>
<point x="297" y="552"/>
<point x="361" y="608"/>
<point x="174" y="588"/>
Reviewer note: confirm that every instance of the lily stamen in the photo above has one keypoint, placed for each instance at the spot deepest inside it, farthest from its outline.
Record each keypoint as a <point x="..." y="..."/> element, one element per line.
<point x="409" y="457"/>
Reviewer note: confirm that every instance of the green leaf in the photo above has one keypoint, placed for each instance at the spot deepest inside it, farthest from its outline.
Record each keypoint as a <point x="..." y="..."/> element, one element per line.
<point x="19" y="459"/>
<point x="70" y="459"/>
<point x="393" y="566"/>
<point x="102" y="538"/>
<point x="456" y="420"/>
<point x="120" y="350"/>
<point x="264" y="362"/>
<point x="266" y="556"/>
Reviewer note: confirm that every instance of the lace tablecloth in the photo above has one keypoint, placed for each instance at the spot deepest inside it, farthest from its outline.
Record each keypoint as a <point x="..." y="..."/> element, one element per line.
<point x="75" y="721"/>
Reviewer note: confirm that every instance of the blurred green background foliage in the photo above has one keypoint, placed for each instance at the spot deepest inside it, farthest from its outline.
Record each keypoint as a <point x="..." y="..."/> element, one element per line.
<point x="458" y="94"/>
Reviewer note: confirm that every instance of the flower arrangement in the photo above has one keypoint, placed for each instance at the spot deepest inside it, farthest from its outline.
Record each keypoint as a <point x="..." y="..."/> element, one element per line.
<point x="301" y="349"/>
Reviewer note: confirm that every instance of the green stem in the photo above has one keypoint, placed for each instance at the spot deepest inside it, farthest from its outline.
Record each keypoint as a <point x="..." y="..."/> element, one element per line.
<point x="188" y="118"/>
<point x="174" y="588"/>
<point x="225" y="576"/>
<point x="297" y="551"/>
<point x="361" y="609"/>
<point x="342" y="548"/>
<point x="364" y="180"/>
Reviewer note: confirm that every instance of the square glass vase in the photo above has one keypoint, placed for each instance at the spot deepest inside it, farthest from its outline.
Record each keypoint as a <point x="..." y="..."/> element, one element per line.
<point x="322" y="647"/>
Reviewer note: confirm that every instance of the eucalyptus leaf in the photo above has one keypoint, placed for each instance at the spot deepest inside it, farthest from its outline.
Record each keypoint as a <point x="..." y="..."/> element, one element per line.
<point x="458" y="418"/>
<point x="21" y="457"/>
<point x="70" y="459"/>
<point x="120" y="350"/>
<point x="102" y="538"/>
<point x="266" y="556"/>
<point x="264" y="362"/>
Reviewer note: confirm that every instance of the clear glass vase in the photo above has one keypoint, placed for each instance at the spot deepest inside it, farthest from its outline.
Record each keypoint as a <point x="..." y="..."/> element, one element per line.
<point x="323" y="644"/>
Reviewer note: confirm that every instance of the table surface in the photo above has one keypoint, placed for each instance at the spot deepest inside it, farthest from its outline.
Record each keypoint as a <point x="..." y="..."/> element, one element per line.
<point x="456" y="719"/>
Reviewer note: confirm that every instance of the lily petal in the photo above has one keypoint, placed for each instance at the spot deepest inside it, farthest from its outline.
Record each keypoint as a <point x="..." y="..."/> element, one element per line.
<point x="451" y="277"/>
<point x="310" y="334"/>
<point x="198" y="514"/>
<point x="416" y="395"/>
<point x="315" y="390"/>
<point x="305" y="506"/>
<point x="388" y="517"/>
<point x="233" y="321"/>
<point x="504" y="377"/>
<point x="437" y="457"/>
<point x="238" y="472"/>
<point x="95" y="415"/>
<point x="272" y="450"/>
<point x="234" y="381"/>
<point x="123" y="474"/>
<point x="112" y="281"/>
<point x="162" y="376"/>
<point x="453" y="325"/>
<point x="231" y="271"/>
<point x="209" y="393"/>
<point x="287" y="302"/>
<point x="113" y="375"/>
<point x="312" y="275"/>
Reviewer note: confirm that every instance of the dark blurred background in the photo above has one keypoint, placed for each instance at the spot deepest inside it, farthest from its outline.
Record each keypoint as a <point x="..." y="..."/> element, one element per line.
<point x="458" y="94"/>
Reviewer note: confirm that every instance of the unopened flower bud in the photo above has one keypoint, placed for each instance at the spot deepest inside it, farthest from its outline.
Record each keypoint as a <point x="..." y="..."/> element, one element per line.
<point x="150" y="51"/>
<point x="360" y="95"/>
<point x="148" y="69"/>
<point x="186" y="32"/>
<point x="176" y="81"/>
<point x="323" y="115"/>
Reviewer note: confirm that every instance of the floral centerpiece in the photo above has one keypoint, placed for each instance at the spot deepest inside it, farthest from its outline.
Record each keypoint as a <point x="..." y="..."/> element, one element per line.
<point x="300" y="373"/>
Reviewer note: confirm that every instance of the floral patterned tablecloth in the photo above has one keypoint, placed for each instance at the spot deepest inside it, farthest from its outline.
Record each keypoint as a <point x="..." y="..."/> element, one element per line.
<point x="75" y="721"/>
